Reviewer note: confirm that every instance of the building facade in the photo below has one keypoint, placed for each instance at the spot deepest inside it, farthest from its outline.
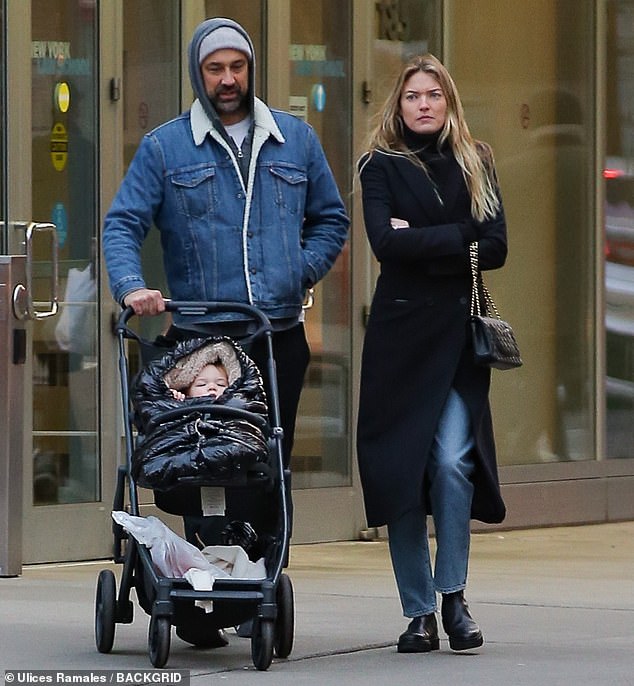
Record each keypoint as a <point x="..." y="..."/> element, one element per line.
<point x="550" y="85"/>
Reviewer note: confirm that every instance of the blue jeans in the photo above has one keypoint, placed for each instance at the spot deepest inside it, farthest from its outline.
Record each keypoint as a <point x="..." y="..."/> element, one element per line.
<point x="449" y="469"/>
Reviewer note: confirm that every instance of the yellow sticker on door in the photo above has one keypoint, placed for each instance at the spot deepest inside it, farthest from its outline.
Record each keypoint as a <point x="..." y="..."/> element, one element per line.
<point x="59" y="146"/>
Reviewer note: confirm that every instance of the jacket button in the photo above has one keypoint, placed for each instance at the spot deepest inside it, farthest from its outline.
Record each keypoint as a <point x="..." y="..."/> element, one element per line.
<point x="463" y="300"/>
<point x="253" y="270"/>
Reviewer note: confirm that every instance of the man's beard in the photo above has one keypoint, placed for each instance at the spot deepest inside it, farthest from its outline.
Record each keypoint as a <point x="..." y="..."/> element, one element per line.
<point x="228" y="106"/>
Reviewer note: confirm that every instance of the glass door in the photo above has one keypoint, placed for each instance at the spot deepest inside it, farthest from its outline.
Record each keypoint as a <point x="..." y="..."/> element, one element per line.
<point x="319" y="92"/>
<point x="51" y="163"/>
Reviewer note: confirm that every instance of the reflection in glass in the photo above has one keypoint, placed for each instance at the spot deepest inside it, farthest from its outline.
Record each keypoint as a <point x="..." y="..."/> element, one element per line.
<point x="618" y="176"/>
<point x="320" y="77"/>
<point x="151" y="72"/>
<point x="535" y="107"/>
<point x="65" y="382"/>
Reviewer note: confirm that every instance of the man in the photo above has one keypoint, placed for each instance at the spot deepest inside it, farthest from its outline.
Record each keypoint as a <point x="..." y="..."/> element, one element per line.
<point x="245" y="201"/>
<point x="247" y="208"/>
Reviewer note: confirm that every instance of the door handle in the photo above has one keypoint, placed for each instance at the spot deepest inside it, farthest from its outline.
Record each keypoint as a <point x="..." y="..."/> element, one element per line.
<point x="23" y="305"/>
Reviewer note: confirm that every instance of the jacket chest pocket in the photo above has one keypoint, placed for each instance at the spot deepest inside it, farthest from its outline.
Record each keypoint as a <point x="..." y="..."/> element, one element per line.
<point x="290" y="188"/>
<point x="195" y="192"/>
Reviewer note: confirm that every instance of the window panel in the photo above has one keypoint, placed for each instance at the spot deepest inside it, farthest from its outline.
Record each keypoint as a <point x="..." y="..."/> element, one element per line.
<point x="618" y="177"/>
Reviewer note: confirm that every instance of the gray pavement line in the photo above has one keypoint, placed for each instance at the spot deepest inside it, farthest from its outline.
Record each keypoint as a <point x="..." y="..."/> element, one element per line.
<point x="320" y="594"/>
<point x="343" y="651"/>
<point x="549" y="606"/>
<point x="67" y="565"/>
<point x="311" y="656"/>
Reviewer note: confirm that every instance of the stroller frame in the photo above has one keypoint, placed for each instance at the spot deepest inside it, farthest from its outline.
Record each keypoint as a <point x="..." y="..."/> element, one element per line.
<point x="168" y="601"/>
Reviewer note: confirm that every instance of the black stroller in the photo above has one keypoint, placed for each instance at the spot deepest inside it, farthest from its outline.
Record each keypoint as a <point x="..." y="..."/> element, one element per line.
<point x="265" y="604"/>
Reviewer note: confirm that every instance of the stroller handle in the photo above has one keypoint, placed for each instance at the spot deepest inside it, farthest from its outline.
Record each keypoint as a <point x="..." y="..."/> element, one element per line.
<point x="200" y="308"/>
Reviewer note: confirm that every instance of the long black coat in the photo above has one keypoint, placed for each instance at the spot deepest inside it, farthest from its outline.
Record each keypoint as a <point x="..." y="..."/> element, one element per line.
<point x="416" y="345"/>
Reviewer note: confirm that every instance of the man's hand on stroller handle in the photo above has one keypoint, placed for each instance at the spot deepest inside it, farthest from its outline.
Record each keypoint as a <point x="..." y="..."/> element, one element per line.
<point x="145" y="301"/>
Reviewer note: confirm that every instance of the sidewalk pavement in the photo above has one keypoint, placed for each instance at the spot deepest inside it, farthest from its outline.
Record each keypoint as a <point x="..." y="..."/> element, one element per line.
<point x="556" y="607"/>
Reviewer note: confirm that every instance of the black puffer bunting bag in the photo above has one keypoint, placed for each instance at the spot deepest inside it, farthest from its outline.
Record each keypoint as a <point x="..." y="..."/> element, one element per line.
<point x="190" y="441"/>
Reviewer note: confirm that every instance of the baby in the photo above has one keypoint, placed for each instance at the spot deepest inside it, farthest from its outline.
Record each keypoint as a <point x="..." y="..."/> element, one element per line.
<point x="211" y="381"/>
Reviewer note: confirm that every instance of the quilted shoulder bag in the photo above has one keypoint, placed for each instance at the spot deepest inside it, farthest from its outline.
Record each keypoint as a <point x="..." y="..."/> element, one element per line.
<point x="494" y="343"/>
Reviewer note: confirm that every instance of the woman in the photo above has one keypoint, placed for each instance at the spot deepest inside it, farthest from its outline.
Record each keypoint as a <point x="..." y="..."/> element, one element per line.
<point x="425" y="438"/>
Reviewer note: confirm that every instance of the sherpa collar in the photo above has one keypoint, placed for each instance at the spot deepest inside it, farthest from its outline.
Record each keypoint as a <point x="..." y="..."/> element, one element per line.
<point x="201" y="124"/>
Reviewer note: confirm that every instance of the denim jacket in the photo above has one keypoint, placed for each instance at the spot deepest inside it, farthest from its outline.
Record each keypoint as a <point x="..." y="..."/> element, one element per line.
<point x="264" y="242"/>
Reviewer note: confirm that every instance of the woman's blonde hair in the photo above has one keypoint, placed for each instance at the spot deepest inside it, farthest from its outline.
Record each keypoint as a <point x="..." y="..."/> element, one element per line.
<point x="474" y="158"/>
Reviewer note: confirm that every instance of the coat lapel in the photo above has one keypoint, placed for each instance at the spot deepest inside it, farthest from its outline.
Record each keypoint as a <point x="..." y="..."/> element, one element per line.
<point x="420" y="187"/>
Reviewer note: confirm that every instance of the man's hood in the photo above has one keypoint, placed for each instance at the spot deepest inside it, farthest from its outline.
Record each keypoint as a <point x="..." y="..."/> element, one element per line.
<point x="195" y="74"/>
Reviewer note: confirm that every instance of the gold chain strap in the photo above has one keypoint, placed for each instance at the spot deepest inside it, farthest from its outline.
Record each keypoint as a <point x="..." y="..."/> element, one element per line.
<point x="476" y="277"/>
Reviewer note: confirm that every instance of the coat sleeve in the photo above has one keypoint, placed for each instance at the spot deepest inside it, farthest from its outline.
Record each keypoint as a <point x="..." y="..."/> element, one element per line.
<point x="415" y="244"/>
<point x="130" y="217"/>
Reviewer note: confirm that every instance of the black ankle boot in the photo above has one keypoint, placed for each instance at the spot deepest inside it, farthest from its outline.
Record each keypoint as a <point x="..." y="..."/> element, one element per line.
<point x="421" y="636"/>
<point x="458" y="623"/>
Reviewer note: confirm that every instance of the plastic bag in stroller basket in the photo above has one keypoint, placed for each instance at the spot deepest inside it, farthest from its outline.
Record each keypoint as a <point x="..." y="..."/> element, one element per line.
<point x="174" y="557"/>
<point x="195" y="446"/>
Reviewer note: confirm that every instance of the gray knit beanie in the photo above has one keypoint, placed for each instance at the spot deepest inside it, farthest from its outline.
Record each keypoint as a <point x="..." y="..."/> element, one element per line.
<point x="222" y="38"/>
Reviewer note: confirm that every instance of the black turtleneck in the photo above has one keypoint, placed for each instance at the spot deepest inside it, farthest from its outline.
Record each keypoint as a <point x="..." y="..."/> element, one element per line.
<point x="421" y="142"/>
<point x="444" y="171"/>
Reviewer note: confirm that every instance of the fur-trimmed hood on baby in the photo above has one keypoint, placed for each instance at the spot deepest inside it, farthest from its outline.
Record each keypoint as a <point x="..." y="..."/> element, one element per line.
<point x="197" y="446"/>
<point x="188" y="367"/>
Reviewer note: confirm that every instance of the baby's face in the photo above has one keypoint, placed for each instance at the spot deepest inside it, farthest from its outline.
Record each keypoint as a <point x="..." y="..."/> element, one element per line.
<point x="211" y="381"/>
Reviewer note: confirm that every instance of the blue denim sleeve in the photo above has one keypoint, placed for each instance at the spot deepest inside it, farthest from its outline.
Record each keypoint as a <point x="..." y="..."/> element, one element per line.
<point x="326" y="222"/>
<point x="130" y="217"/>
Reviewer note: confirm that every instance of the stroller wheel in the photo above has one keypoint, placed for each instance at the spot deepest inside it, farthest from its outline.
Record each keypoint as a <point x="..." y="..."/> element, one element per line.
<point x="285" y="621"/>
<point x="159" y="636"/>
<point x="105" y="611"/>
<point x="262" y="643"/>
